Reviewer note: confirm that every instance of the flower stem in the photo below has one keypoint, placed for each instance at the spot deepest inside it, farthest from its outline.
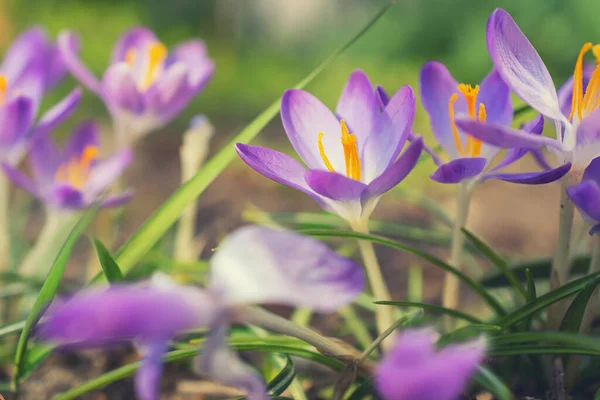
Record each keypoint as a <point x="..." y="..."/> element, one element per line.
<point x="275" y="323"/>
<point x="450" y="295"/>
<point x="384" y="316"/>
<point x="5" y="247"/>
<point x="560" y="264"/>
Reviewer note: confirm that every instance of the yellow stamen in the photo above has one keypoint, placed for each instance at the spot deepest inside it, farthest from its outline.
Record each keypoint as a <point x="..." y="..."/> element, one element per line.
<point x="76" y="171"/>
<point x="3" y="89"/>
<point x="591" y="92"/>
<point x="476" y="142"/>
<point x="596" y="52"/>
<point x="156" y="54"/>
<point x="322" y="152"/>
<point x="576" y="103"/>
<point x="130" y="55"/>
<point x="455" y="134"/>
<point x="350" y="153"/>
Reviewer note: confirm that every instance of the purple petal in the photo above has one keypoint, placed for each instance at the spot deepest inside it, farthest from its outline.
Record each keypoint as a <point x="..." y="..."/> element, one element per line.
<point x="276" y="166"/>
<point x="194" y="55"/>
<point x="504" y="136"/>
<point x="592" y="172"/>
<point x="334" y="186"/>
<point x="425" y="374"/>
<point x="587" y="145"/>
<point x="382" y="97"/>
<point x="148" y="375"/>
<point x="25" y="51"/>
<point x="533" y="178"/>
<point x="586" y="197"/>
<point x="261" y="265"/>
<point x="19" y="179"/>
<point x="44" y="160"/>
<point x="58" y="113"/>
<point x="16" y="118"/>
<point x="153" y="311"/>
<point x="171" y="93"/>
<point x="120" y="91"/>
<point x="303" y="117"/>
<point x="460" y="169"/>
<point x="68" y="44"/>
<point x="64" y="196"/>
<point x="85" y="135"/>
<point x="358" y="106"/>
<point x="535" y="126"/>
<point x="495" y="96"/>
<point x="520" y="66"/>
<point x="395" y="172"/>
<point x="136" y="38"/>
<point x="105" y="173"/>
<point x="56" y="68"/>
<point x="392" y="128"/>
<point x="31" y="85"/>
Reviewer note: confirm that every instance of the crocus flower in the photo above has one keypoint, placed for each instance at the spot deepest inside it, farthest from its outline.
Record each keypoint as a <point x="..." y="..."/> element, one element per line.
<point x="586" y="195"/>
<point x="352" y="155"/>
<point x="471" y="160"/>
<point x="145" y="85"/>
<point x="414" y="370"/>
<point x="252" y="265"/>
<point x="72" y="178"/>
<point x="31" y="65"/>
<point x="523" y="70"/>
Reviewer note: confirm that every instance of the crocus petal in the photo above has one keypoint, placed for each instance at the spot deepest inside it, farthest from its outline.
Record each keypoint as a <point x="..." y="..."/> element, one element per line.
<point x="68" y="44"/>
<point x="24" y="51"/>
<point x="533" y="178"/>
<point x="535" y="126"/>
<point x="104" y="173"/>
<point x="520" y="66"/>
<point x="396" y="172"/>
<point x="304" y="117"/>
<point x="65" y="196"/>
<point x="44" y="160"/>
<point x="586" y="197"/>
<point x="169" y="95"/>
<point x="261" y="265"/>
<point x="194" y="55"/>
<point x="85" y="135"/>
<point x="31" y="85"/>
<point x="391" y="130"/>
<point x="437" y="87"/>
<point x="136" y="38"/>
<point x="592" y="172"/>
<point x="504" y="136"/>
<point x="460" y="169"/>
<point x="16" y="118"/>
<point x="495" y="96"/>
<point x="276" y="166"/>
<point x="413" y="370"/>
<point x="587" y="144"/>
<point x="358" y="106"/>
<point x="148" y="375"/>
<point x="19" y="179"/>
<point x="57" y="114"/>
<point x="120" y="91"/>
<point x="382" y="97"/>
<point x="56" y="68"/>
<point x="333" y="185"/>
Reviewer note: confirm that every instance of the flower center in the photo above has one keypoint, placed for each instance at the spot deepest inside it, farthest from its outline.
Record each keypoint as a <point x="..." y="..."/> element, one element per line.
<point x="584" y="103"/>
<point x="350" y="153"/>
<point x="149" y="65"/>
<point x="77" y="170"/>
<point x="473" y="146"/>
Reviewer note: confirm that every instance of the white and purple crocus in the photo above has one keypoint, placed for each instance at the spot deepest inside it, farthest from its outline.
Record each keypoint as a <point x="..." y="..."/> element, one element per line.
<point x="253" y="265"/>
<point x="353" y="155"/>
<point x="574" y="109"/>
<point x="145" y="85"/>
<point x="489" y="104"/>
<point x="415" y="370"/>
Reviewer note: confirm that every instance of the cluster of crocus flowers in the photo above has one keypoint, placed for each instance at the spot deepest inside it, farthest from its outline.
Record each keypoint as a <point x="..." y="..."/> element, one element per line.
<point x="253" y="265"/>
<point x="471" y="160"/>
<point x="353" y="156"/>
<point x="414" y="370"/>
<point x="145" y="85"/>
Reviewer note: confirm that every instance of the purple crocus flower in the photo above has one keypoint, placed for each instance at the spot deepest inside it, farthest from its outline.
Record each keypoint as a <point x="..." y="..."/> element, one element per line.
<point x="73" y="178"/>
<point x="520" y="66"/>
<point x="352" y="155"/>
<point x="586" y="195"/>
<point x="488" y="103"/>
<point x="414" y="370"/>
<point x="145" y="85"/>
<point x="253" y="265"/>
<point x="30" y="66"/>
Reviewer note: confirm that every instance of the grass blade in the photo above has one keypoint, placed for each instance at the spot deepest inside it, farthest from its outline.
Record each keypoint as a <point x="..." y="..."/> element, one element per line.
<point x="109" y="265"/>
<point x="441" y="310"/>
<point x="493" y="384"/>
<point x="572" y="319"/>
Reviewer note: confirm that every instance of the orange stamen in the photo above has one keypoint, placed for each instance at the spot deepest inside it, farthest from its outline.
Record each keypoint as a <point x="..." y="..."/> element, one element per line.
<point x="322" y="152"/>
<point x="76" y="171"/>
<point x="453" y="99"/>
<point x="576" y="103"/>
<point x="350" y="153"/>
<point x="130" y="55"/>
<point x="3" y="89"/>
<point x="156" y="54"/>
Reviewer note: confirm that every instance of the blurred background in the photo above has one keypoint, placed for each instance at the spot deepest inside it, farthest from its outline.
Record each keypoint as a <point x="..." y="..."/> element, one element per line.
<point x="262" y="47"/>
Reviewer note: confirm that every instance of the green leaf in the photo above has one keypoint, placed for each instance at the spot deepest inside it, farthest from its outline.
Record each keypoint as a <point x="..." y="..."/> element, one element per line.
<point x="564" y="338"/>
<point x="47" y="291"/>
<point x="9" y="329"/>
<point x="493" y="384"/>
<point x="497" y="260"/>
<point x="531" y="349"/>
<point x="283" y="379"/>
<point x="168" y="213"/>
<point x="548" y="299"/>
<point x="492" y="302"/>
<point x="572" y="319"/>
<point x="531" y="297"/>
<point x="109" y="266"/>
<point x="438" y="309"/>
<point x="467" y="332"/>
<point x="363" y="390"/>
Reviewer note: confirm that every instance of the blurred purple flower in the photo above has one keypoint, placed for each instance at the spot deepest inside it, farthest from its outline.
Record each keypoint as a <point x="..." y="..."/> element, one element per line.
<point x="73" y="178"/>
<point x="31" y="65"/>
<point x="414" y="370"/>
<point x="252" y="265"/>
<point x="574" y="109"/>
<point x="489" y="103"/>
<point x="144" y="86"/>
<point x="586" y="195"/>
<point x="346" y="173"/>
